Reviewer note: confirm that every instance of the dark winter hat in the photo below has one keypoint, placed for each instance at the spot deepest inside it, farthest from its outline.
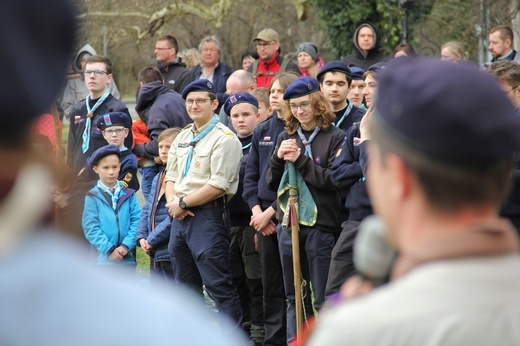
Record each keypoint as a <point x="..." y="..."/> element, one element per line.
<point x="335" y="66"/>
<point x="114" y="119"/>
<point x="198" y="85"/>
<point x="235" y="99"/>
<point x="309" y="48"/>
<point x="36" y="39"/>
<point x="267" y="35"/>
<point x="301" y="87"/>
<point x="100" y="153"/>
<point x="357" y="73"/>
<point x="450" y="112"/>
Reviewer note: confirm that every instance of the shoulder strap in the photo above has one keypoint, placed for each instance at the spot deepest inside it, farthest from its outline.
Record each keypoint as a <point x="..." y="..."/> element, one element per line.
<point x="285" y="62"/>
<point x="255" y="67"/>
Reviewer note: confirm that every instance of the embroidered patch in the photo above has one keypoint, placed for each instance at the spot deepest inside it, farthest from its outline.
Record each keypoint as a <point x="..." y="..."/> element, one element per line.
<point x="210" y="86"/>
<point x="108" y="121"/>
<point x="233" y="98"/>
<point x="356" y="141"/>
<point x="265" y="144"/>
<point x="267" y="138"/>
<point x="77" y="119"/>
<point x="128" y="177"/>
<point x="197" y="164"/>
<point x="317" y="160"/>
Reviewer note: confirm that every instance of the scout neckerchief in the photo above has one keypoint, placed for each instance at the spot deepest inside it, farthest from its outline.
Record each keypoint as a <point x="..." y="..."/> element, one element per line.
<point x="195" y="140"/>
<point x="307" y="143"/>
<point x="248" y="145"/>
<point x="113" y="193"/>
<point x="90" y="115"/>
<point x="345" y="115"/>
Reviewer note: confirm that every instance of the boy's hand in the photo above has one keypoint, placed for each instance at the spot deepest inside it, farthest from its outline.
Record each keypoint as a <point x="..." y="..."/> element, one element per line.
<point x="115" y="256"/>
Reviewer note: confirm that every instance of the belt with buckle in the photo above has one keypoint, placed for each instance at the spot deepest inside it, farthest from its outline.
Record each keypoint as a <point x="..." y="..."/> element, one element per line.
<point x="211" y="204"/>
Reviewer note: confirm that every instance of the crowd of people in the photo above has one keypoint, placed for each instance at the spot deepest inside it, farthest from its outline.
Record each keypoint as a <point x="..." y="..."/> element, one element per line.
<point x="218" y="154"/>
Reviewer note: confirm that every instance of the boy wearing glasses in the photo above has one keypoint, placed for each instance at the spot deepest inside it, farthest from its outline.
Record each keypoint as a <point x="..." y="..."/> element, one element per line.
<point x="115" y="127"/>
<point x="84" y="137"/>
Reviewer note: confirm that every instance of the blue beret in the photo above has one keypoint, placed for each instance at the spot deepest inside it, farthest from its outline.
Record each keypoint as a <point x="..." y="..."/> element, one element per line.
<point x="450" y="112"/>
<point x="357" y="73"/>
<point x="198" y="85"/>
<point x="37" y="39"/>
<point x="334" y="66"/>
<point x="100" y="153"/>
<point x="378" y="66"/>
<point x="114" y="119"/>
<point x="235" y="99"/>
<point x="301" y="87"/>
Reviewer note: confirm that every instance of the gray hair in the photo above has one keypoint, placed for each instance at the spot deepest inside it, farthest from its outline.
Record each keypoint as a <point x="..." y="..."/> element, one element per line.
<point x="210" y="38"/>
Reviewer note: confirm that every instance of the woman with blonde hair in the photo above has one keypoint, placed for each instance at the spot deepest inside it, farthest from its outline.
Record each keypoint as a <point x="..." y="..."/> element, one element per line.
<point x="453" y="51"/>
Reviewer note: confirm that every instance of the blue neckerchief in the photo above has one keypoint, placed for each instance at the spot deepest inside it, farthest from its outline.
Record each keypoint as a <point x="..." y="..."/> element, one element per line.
<point x="307" y="143"/>
<point x="345" y="115"/>
<point x="247" y="146"/>
<point x="195" y="140"/>
<point x="113" y="193"/>
<point x="90" y="114"/>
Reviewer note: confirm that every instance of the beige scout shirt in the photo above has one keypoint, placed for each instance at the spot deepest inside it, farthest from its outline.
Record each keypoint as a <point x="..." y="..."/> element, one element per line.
<point x="216" y="161"/>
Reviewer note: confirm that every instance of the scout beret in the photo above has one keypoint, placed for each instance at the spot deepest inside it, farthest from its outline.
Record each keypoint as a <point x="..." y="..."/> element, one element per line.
<point x="36" y="39"/>
<point x="450" y="112"/>
<point x="114" y="119"/>
<point x="309" y="48"/>
<point x="301" y="87"/>
<point x="378" y="66"/>
<point x="235" y="99"/>
<point x="267" y="35"/>
<point x="357" y="73"/>
<point x="198" y="85"/>
<point x="335" y="66"/>
<point x="100" y="153"/>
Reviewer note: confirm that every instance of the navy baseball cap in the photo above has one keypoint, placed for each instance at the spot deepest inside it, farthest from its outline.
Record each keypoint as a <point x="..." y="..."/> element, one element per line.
<point x="235" y="99"/>
<point x="199" y="85"/>
<point x="100" y="153"/>
<point x="450" y="112"/>
<point x="114" y="119"/>
<point x="357" y="73"/>
<point x="335" y="66"/>
<point x="301" y="87"/>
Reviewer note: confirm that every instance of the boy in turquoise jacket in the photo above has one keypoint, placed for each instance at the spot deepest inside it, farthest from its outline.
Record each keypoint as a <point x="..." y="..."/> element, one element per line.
<point x="111" y="213"/>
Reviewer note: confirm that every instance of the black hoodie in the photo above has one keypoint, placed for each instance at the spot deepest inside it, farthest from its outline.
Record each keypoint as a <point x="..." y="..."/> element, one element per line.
<point x="374" y="55"/>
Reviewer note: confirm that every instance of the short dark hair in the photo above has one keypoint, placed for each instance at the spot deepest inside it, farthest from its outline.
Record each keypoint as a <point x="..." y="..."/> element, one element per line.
<point x="505" y="32"/>
<point x="172" y="41"/>
<point x="405" y="47"/>
<point x="149" y="74"/>
<point x="447" y="186"/>
<point x="102" y="59"/>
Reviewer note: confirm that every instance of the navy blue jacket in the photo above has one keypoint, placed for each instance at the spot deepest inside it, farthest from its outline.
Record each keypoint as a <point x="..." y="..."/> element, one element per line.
<point x="155" y="211"/>
<point x="165" y="109"/>
<point x="220" y="77"/>
<point x="263" y="142"/>
<point x="128" y="172"/>
<point x="349" y="171"/>
<point x="511" y="206"/>
<point x="238" y="209"/>
<point x="354" y="116"/>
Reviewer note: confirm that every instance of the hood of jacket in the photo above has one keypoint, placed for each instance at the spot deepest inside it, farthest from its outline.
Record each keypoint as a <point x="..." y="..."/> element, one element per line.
<point x="377" y="42"/>
<point x="148" y="93"/>
<point x="85" y="49"/>
<point x="175" y="62"/>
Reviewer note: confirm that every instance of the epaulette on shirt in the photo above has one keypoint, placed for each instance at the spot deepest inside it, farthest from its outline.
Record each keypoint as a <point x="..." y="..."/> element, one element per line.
<point x="187" y="126"/>
<point x="225" y="129"/>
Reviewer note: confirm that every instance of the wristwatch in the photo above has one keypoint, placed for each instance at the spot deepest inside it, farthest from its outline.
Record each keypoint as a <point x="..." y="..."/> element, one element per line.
<point x="182" y="205"/>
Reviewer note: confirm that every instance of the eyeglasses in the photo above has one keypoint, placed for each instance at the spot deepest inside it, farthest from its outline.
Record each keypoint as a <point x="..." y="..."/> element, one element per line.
<point x="263" y="45"/>
<point x="305" y="106"/>
<point x="190" y="102"/>
<point x="114" y="131"/>
<point x="159" y="48"/>
<point x="96" y="73"/>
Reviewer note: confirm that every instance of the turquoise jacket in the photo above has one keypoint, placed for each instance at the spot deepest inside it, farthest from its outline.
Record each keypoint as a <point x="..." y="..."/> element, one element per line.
<point x="107" y="229"/>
